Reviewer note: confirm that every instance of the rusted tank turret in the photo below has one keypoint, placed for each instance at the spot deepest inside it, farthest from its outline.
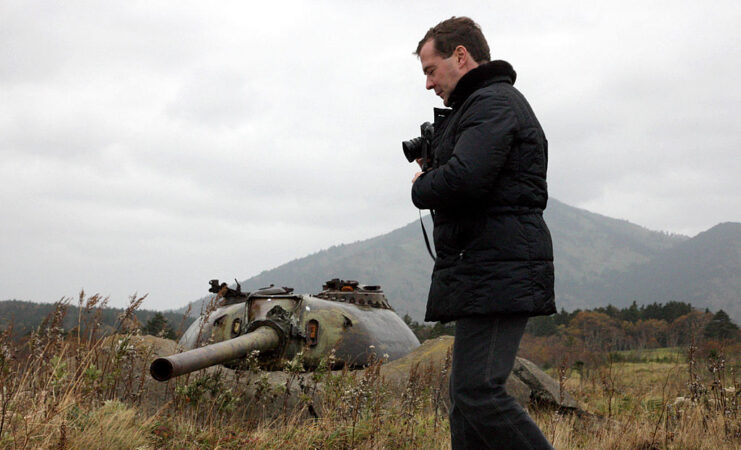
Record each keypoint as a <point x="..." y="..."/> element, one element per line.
<point x="352" y="319"/>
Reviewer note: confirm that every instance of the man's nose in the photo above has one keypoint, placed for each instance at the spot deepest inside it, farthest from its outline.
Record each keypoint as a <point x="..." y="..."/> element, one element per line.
<point x="430" y="84"/>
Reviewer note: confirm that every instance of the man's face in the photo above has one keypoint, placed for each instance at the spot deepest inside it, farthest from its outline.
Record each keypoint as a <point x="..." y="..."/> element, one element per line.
<point x="442" y="73"/>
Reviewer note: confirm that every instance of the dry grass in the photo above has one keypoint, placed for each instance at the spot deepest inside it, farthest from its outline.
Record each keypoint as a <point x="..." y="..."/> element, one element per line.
<point x="646" y="405"/>
<point x="82" y="390"/>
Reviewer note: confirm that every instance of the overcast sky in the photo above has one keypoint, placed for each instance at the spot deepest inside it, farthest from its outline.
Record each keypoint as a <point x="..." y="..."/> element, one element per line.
<point x="151" y="146"/>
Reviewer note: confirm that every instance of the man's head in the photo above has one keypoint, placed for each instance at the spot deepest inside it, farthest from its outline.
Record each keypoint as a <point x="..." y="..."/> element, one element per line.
<point x="448" y="51"/>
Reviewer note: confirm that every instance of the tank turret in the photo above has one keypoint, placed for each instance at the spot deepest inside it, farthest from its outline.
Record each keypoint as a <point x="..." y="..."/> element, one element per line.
<point x="351" y="319"/>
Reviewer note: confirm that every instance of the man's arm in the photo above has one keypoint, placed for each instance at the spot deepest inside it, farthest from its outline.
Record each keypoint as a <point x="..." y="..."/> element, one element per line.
<point x="481" y="151"/>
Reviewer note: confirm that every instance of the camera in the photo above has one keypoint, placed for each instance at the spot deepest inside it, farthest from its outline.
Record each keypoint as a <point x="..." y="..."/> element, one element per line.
<point x="420" y="147"/>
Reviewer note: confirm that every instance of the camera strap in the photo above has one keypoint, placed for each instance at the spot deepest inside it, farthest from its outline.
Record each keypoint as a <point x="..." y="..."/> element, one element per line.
<point x="424" y="233"/>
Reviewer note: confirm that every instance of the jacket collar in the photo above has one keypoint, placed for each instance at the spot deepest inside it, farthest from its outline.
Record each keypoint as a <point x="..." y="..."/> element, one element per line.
<point x="483" y="75"/>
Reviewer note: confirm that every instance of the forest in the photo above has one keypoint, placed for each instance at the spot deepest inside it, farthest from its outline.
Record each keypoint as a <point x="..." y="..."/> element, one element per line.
<point x="609" y="330"/>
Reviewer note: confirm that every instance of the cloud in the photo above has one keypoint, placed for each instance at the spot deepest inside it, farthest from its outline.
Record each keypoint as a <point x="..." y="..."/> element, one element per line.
<point x="149" y="147"/>
<point x="215" y="98"/>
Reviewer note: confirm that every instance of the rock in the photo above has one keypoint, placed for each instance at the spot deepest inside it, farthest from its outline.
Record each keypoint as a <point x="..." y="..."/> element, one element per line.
<point x="530" y="386"/>
<point x="144" y="345"/>
<point x="431" y="353"/>
<point x="154" y="346"/>
<point x="544" y="390"/>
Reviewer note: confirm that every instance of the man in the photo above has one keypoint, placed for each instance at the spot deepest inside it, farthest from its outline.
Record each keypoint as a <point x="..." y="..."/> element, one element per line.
<point x="494" y="267"/>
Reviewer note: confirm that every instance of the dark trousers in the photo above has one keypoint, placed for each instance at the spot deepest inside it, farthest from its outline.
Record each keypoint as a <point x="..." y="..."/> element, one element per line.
<point x="482" y="414"/>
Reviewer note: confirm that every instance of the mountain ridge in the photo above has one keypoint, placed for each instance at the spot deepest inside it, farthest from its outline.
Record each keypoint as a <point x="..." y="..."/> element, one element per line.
<point x="594" y="254"/>
<point x="704" y="270"/>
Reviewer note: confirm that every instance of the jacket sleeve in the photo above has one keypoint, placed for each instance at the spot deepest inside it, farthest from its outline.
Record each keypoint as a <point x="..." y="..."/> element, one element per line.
<point x="486" y="130"/>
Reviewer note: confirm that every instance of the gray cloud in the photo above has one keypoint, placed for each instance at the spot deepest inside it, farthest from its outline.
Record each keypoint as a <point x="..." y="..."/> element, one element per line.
<point x="216" y="98"/>
<point x="151" y="147"/>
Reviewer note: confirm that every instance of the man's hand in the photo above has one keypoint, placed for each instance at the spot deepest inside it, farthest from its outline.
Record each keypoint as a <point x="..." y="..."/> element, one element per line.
<point x="421" y="163"/>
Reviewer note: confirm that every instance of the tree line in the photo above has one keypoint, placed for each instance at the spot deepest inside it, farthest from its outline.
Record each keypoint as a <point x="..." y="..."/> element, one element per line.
<point x="655" y="325"/>
<point x="25" y="317"/>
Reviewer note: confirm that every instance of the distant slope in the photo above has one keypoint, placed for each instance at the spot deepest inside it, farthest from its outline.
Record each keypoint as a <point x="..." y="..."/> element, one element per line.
<point x="398" y="261"/>
<point x="26" y="316"/>
<point x="704" y="271"/>
<point x="586" y="245"/>
<point x="589" y="247"/>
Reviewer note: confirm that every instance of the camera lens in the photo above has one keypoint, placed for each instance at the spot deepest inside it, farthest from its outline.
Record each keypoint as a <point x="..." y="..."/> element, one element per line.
<point x="412" y="148"/>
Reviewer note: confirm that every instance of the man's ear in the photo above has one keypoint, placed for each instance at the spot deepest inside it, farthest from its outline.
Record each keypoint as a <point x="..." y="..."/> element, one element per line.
<point x="461" y="55"/>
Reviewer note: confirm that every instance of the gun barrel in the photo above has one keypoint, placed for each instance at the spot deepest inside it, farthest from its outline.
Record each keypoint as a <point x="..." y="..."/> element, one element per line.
<point x="263" y="338"/>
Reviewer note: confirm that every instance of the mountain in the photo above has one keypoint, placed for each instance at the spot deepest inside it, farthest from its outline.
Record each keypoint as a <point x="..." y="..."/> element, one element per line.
<point x="598" y="260"/>
<point x="704" y="271"/>
<point x="398" y="261"/>
<point x="589" y="247"/>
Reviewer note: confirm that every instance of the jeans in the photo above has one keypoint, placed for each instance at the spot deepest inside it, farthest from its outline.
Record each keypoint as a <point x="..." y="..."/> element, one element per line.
<point x="482" y="414"/>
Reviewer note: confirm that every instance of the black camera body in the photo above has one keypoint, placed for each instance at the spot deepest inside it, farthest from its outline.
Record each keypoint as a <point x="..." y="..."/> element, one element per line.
<point x="420" y="147"/>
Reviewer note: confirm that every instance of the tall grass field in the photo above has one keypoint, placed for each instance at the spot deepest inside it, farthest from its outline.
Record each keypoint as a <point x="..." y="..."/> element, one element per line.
<point x="86" y="389"/>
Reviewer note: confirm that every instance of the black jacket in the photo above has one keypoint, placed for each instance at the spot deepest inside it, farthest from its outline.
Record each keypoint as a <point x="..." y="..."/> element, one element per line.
<point x="488" y="190"/>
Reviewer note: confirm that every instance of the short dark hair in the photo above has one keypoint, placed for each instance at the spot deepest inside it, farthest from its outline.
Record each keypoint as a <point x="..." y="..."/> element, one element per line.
<point x="449" y="34"/>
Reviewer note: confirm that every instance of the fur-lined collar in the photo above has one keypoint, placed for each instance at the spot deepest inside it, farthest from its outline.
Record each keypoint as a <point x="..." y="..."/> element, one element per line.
<point x="483" y="75"/>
